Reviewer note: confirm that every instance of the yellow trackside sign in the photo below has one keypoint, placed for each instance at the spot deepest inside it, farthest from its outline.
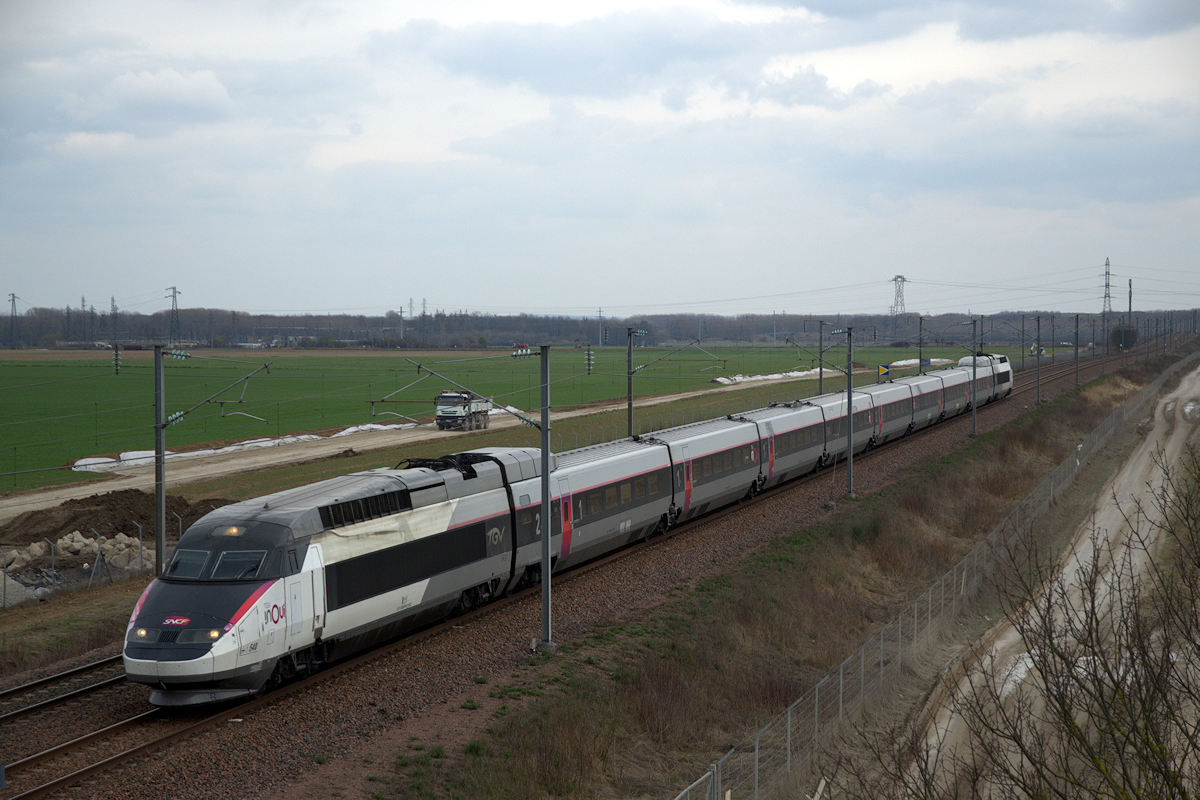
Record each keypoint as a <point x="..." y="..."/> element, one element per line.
<point x="883" y="370"/>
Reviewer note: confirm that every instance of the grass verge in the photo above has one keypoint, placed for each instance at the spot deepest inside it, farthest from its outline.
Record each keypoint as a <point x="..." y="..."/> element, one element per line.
<point x="651" y="702"/>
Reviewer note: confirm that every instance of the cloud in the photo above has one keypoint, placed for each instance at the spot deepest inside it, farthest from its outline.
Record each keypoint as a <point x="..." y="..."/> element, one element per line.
<point x="604" y="57"/>
<point x="989" y="20"/>
<point x="164" y="97"/>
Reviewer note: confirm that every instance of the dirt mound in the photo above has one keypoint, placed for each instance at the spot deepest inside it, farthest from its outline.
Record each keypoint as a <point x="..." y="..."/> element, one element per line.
<point x="107" y="514"/>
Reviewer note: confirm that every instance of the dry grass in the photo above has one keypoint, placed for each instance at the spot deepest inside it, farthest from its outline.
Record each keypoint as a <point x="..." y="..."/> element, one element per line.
<point x="74" y="623"/>
<point x="703" y="672"/>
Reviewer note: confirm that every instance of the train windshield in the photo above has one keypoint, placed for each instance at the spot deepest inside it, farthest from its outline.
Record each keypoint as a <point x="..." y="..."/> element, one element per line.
<point x="187" y="564"/>
<point x="236" y="565"/>
<point x="220" y="551"/>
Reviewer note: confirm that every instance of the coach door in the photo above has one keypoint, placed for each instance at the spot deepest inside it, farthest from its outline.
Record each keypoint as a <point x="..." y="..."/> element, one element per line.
<point x="299" y="603"/>
<point x="687" y="479"/>
<point x="564" y="510"/>
<point x="767" y="464"/>
<point x="305" y="600"/>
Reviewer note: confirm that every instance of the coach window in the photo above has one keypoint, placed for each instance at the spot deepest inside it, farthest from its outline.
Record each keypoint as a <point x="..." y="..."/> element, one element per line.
<point x="652" y="484"/>
<point x="595" y="501"/>
<point x="626" y="493"/>
<point x="610" y="497"/>
<point x="639" y="487"/>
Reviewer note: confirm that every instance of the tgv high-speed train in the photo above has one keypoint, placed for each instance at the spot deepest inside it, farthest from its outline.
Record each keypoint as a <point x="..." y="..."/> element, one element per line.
<point x="264" y="589"/>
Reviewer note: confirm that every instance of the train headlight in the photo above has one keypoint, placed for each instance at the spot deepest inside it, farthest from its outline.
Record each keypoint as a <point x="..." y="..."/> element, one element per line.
<point x="139" y="635"/>
<point x="199" y="636"/>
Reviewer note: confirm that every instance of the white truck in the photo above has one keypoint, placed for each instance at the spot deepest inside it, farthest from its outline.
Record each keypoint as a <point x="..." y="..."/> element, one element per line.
<point x="461" y="411"/>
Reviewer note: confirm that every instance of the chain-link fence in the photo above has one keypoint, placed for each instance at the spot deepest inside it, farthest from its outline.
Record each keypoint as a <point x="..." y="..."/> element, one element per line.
<point x="75" y="561"/>
<point x="786" y="745"/>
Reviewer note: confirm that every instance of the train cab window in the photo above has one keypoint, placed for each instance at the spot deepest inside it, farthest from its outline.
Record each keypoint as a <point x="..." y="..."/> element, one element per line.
<point x="187" y="564"/>
<point x="238" y="565"/>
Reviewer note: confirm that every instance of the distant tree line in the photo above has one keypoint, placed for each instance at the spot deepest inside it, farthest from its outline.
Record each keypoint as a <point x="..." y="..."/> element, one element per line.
<point x="87" y="327"/>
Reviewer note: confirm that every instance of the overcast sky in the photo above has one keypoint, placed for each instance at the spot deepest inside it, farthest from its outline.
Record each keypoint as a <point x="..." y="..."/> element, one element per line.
<point x="559" y="157"/>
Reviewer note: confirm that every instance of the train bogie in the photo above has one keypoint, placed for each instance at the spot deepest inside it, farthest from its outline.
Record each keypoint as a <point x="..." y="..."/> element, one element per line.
<point x="713" y="463"/>
<point x="609" y="495"/>
<point x="893" y="410"/>
<point x="927" y="399"/>
<point x="793" y="440"/>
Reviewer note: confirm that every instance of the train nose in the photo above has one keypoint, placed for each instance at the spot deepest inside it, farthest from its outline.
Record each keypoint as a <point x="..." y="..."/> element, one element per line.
<point x="159" y="670"/>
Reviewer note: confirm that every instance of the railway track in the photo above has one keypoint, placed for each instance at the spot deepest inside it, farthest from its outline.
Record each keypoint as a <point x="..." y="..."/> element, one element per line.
<point x="52" y="690"/>
<point x="76" y="762"/>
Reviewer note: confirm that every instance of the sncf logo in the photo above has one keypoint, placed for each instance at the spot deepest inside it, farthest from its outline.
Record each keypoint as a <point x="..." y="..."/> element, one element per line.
<point x="176" y="621"/>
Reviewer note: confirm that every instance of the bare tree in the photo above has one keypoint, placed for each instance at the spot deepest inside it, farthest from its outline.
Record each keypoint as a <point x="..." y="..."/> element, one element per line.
<point x="1094" y="691"/>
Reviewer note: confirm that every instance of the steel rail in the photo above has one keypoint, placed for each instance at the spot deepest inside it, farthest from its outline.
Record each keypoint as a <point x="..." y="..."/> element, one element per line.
<point x="58" y="749"/>
<point x="53" y="701"/>
<point x="24" y="687"/>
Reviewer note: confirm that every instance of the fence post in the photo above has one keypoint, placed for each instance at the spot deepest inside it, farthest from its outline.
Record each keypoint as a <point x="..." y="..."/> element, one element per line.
<point x="53" y="572"/>
<point x="789" y="738"/>
<point x="141" y="566"/>
<point x="862" y="676"/>
<point x="817" y="709"/>
<point x="757" y="736"/>
<point x="841" y="687"/>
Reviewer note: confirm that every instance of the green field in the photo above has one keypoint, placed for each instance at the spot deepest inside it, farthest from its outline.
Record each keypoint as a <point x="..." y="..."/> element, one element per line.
<point x="56" y="408"/>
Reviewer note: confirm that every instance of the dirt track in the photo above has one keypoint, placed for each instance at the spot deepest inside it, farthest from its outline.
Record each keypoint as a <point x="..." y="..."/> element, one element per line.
<point x="182" y="470"/>
<point x="1002" y="650"/>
